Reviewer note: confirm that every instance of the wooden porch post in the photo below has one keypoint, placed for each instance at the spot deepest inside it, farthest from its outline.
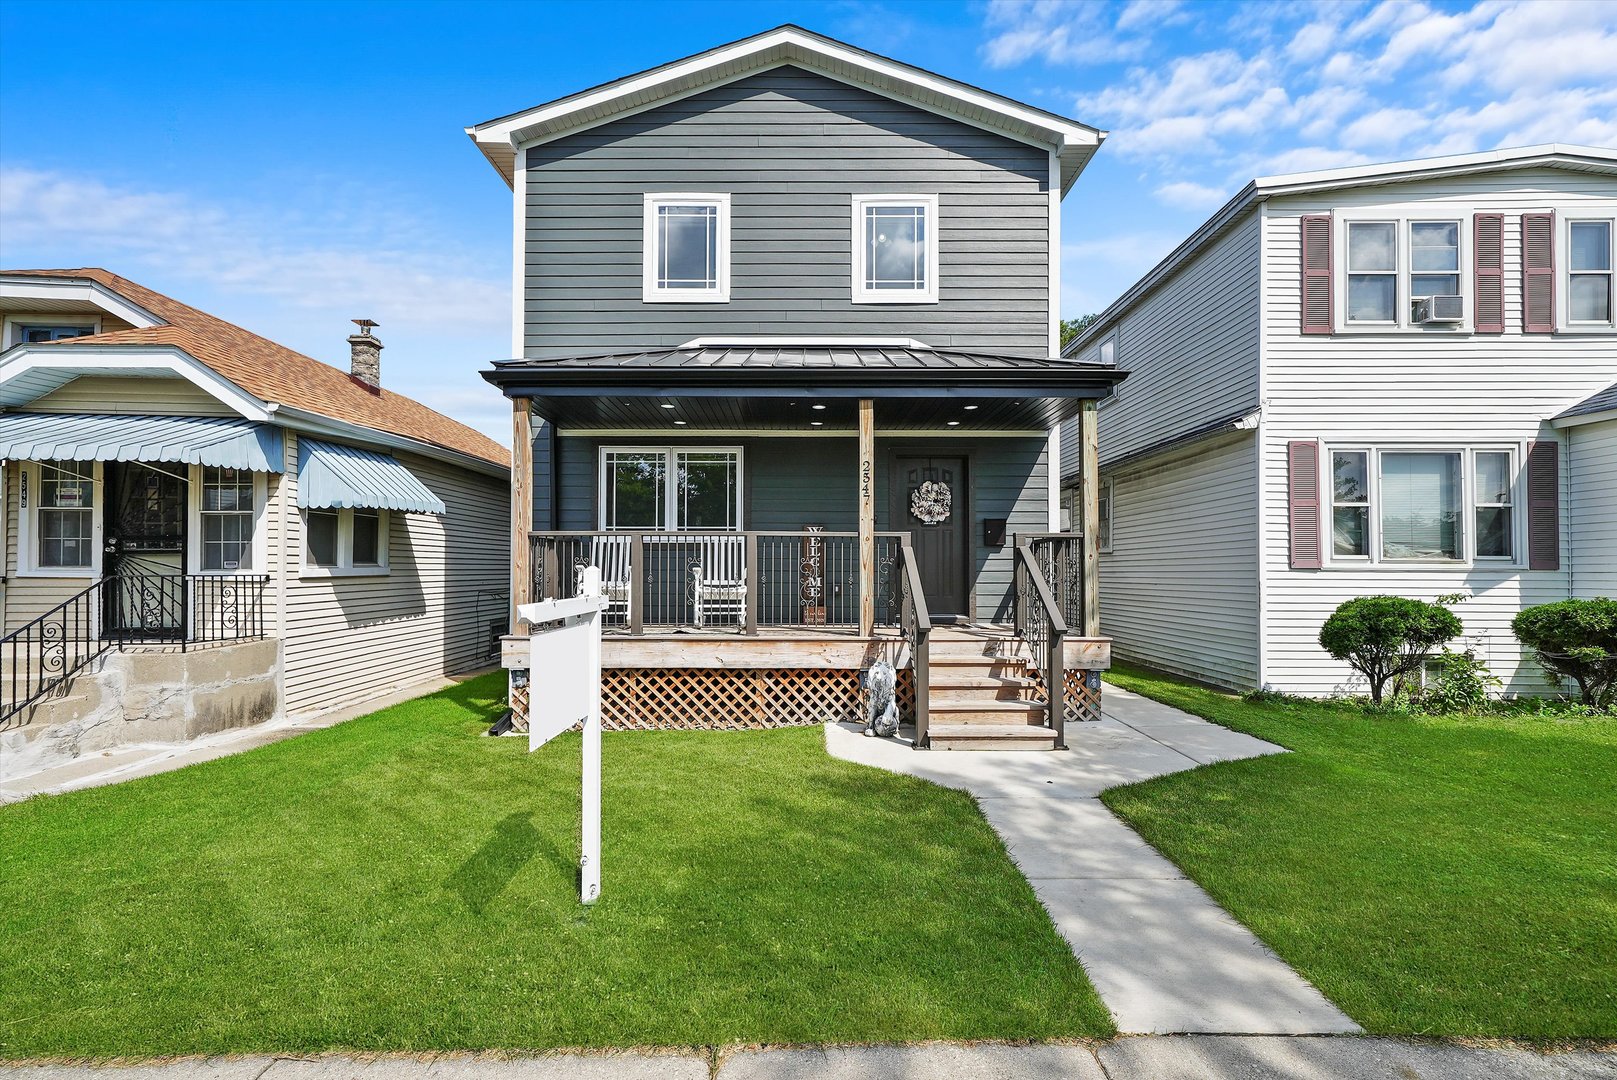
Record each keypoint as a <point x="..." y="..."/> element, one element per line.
<point x="867" y="517"/>
<point x="521" y="506"/>
<point x="1089" y="479"/>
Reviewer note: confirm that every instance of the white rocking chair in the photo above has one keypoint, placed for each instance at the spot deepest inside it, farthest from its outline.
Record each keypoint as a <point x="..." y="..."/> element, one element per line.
<point x="719" y="578"/>
<point x="611" y="554"/>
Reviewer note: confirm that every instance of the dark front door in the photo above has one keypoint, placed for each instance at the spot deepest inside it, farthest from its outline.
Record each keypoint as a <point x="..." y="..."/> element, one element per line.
<point x="929" y="500"/>
<point x="145" y="549"/>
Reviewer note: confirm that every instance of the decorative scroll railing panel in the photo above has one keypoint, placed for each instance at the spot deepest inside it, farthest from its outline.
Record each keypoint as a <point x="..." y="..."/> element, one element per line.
<point x="1040" y="622"/>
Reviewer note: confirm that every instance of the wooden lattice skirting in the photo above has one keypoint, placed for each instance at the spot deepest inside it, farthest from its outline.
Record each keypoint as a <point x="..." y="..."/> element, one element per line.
<point x="688" y="699"/>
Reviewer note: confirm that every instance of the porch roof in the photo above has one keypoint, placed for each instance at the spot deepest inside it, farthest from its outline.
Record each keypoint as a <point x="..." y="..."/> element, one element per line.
<point x="225" y="441"/>
<point x="781" y="385"/>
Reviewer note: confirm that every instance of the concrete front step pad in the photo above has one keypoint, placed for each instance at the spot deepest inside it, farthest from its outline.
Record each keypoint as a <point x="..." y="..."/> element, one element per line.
<point x="990" y="737"/>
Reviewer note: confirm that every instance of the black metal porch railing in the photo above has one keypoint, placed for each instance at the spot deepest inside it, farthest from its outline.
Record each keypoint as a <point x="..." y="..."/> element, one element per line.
<point x="744" y="581"/>
<point x="1061" y="559"/>
<point x="1040" y="622"/>
<point x="915" y="624"/>
<point x="123" y="609"/>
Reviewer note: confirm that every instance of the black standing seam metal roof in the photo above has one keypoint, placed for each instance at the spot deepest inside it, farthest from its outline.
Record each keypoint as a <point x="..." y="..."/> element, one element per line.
<point x="798" y="357"/>
<point x="1606" y="399"/>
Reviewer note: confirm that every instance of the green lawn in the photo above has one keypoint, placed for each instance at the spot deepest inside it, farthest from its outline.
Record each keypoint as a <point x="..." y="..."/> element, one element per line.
<point x="1451" y="876"/>
<point x="398" y="883"/>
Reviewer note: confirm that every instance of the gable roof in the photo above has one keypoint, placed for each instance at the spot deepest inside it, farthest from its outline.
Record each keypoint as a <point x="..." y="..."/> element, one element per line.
<point x="272" y="372"/>
<point x="1074" y="142"/>
<point x="1601" y="406"/>
<point x="1596" y="159"/>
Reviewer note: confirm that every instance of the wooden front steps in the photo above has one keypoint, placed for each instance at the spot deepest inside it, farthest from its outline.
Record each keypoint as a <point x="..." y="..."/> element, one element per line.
<point x="981" y="693"/>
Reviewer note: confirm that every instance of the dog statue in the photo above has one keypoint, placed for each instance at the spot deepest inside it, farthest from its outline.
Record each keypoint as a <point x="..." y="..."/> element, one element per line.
<point x="881" y="706"/>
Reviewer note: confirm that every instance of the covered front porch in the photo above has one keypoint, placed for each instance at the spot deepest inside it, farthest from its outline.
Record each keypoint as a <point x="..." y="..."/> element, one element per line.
<point x="769" y="523"/>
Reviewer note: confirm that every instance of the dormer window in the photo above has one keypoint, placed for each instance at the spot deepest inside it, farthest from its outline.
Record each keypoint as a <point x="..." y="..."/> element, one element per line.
<point x="895" y="249"/>
<point x="687" y="249"/>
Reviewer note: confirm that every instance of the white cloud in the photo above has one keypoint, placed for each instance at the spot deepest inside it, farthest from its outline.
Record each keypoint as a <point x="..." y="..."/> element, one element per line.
<point x="1189" y="195"/>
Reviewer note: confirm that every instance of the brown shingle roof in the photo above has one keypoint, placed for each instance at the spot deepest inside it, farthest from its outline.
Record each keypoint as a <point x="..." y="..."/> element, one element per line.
<point x="275" y="373"/>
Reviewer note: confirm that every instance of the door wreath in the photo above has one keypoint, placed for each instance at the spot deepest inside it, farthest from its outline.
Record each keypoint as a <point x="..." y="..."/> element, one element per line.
<point x="930" y="502"/>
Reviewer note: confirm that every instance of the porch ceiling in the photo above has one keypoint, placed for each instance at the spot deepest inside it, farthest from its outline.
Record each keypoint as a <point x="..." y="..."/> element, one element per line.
<point x="779" y="387"/>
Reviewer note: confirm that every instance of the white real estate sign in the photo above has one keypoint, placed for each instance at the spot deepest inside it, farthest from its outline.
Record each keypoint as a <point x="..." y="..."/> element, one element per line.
<point x="565" y="660"/>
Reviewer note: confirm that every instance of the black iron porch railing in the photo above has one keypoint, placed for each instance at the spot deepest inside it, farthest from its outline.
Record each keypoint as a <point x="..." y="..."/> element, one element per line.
<point x="915" y="624"/>
<point x="1041" y="615"/>
<point x="1061" y="559"/>
<point x="123" y="609"/>
<point x="743" y="581"/>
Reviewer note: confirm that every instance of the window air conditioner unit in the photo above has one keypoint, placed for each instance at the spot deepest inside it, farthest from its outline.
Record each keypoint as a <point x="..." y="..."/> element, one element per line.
<point x="1436" y="310"/>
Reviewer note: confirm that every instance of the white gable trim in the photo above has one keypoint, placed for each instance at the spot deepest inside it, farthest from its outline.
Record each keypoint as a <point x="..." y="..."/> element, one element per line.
<point x="91" y="292"/>
<point x="71" y="361"/>
<point x="774" y="49"/>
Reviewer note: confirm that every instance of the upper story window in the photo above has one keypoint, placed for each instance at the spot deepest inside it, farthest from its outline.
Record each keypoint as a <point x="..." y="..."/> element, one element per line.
<point x="1589" y="273"/>
<point x="1434" y="259"/>
<point x="1393" y="265"/>
<point x="1372" y="263"/>
<point x="687" y="248"/>
<point x="895" y="249"/>
<point x="29" y="333"/>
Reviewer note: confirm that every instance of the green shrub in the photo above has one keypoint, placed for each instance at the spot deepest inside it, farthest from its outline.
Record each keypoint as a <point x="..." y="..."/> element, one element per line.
<point x="1577" y="640"/>
<point x="1458" y="683"/>
<point x="1384" y="638"/>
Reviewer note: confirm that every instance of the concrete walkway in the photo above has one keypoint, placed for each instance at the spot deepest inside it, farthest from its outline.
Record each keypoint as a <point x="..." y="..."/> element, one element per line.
<point x="1150" y="1058"/>
<point x="1163" y="956"/>
<point x="115" y="765"/>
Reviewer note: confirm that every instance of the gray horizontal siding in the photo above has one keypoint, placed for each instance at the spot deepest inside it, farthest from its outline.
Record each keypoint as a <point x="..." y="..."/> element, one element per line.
<point x="795" y="482"/>
<point x="791" y="148"/>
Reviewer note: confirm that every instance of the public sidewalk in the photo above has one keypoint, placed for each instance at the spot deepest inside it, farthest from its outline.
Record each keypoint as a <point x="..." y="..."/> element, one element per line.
<point x="1185" y="1057"/>
<point x="1163" y="956"/>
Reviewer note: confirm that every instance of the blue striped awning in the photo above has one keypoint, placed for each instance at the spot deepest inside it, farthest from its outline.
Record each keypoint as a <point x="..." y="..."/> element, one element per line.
<point x="331" y="476"/>
<point x="226" y="441"/>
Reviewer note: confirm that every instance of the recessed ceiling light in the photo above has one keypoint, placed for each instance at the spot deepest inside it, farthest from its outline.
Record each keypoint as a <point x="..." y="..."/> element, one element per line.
<point x="816" y="423"/>
<point x="820" y="407"/>
<point x="679" y="423"/>
<point x="954" y="423"/>
<point x="667" y="405"/>
<point x="970" y="407"/>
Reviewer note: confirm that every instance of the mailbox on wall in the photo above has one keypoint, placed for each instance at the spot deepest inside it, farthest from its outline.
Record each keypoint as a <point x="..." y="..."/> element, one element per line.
<point x="993" y="532"/>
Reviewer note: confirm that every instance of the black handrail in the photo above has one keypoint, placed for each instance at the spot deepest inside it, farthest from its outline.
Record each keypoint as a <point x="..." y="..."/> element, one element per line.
<point x="130" y="607"/>
<point x="1040" y="621"/>
<point x="915" y="623"/>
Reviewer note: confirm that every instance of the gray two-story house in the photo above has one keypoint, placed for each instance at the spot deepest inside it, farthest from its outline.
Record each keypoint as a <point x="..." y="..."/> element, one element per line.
<point x="786" y="363"/>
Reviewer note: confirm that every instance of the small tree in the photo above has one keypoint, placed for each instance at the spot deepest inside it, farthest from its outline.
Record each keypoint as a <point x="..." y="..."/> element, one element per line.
<point x="1577" y="640"/>
<point x="1386" y="637"/>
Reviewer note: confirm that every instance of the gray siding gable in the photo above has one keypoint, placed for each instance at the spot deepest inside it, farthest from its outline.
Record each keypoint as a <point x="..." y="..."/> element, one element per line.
<point x="790" y="147"/>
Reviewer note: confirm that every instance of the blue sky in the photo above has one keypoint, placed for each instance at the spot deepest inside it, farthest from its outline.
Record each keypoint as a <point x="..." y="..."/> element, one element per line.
<point x="290" y="166"/>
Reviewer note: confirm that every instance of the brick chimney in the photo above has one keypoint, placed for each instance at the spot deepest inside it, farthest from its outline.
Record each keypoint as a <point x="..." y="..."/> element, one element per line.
<point x="366" y="365"/>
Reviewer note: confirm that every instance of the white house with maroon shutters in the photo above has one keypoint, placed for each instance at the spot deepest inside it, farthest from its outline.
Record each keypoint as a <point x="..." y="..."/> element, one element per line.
<point x="1391" y="378"/>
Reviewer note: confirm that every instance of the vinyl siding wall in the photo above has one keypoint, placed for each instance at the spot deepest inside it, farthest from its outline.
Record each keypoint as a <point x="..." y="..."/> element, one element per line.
<point x="1592" y="450"/>
<point x="1179" y="589"/>
<point x="1191" y="351"/>
<point x="351" y="638"/>
<point x="131" y="397"/>
<point x="1436" y="387"/>
<point x="790" y="147"/>
<point x="793" y="482"/>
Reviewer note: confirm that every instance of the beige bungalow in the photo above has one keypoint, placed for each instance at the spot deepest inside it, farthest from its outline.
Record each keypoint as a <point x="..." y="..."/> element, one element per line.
<point x="204" y="529"/>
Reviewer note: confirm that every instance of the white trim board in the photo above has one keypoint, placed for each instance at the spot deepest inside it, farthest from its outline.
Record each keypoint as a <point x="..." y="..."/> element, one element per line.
<point x="136" y="361"/>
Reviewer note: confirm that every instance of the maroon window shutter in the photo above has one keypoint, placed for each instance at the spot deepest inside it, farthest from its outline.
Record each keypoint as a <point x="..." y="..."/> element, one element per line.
<point x="1538" y="273"/>
<point x="1488" y="272"/>
<point x="1543" y="506"/>
<point x="1302" y="494"/>
<point x="1317" y="311"/>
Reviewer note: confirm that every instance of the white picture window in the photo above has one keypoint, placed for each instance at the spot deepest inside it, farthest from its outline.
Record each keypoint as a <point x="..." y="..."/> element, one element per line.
<point x="1407" y="505"/>
<point x="345" y="542"/>
<point x="895" y="249"/>
<point x="1589" y="300"/>
<point x="227" y="514"/>
<point x="687" y="248"/>
<point x="657" y="488"/>
<point x="64" y="521"/>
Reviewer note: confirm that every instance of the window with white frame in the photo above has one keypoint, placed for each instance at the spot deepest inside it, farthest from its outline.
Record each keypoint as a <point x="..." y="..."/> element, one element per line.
<point x="895" y="249"/>
<point x="226" y="514"/>
<point x="1589" y="299"/>
<point x="344" y="542"/>
<point x="687" y="248"/>
<point x="1391" y="264"/>
<point x="656" y="488"/>
<point x="64" y="516"/>
<point x="1410" y="505"/>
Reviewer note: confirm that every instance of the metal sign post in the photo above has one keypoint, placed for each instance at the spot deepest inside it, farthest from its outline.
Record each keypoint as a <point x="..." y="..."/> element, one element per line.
<point x="565" y="643"/>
